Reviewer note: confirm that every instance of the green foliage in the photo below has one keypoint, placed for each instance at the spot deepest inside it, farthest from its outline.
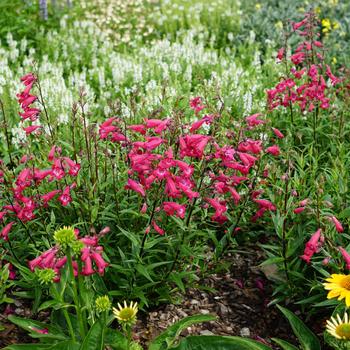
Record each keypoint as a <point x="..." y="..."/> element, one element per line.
<point x="219" y="343"/>
<point x="307" y="339"/>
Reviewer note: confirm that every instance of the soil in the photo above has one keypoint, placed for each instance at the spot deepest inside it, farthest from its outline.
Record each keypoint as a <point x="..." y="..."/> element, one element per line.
<point x="239" y="298"/>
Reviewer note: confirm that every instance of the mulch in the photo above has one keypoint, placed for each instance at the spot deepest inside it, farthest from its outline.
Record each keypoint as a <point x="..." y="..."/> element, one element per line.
<point x="239" y="297"/>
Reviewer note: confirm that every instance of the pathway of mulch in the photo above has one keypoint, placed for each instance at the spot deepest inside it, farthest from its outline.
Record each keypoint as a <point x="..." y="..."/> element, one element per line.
<point x="239" y="301"/>
<point x="239" y="298"/>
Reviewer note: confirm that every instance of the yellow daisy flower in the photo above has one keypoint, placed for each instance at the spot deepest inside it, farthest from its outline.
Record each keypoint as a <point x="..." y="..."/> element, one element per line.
<point x="339" y="287"/>
<point x="126" y="314"/>
<point x="339" y="328"/>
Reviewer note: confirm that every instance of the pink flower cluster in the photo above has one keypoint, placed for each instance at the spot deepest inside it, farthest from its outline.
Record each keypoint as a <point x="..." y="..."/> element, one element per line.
<point x="161" y="160"/>
<point x="91" y="254"/>
<point x="306" y="84"/>
<point x="25" y="99"/>
<point x="23" y="201"/>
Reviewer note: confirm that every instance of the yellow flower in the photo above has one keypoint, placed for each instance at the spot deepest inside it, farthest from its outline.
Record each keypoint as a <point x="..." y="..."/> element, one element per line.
<point x="326" y="25"/>
<point x="279" y="25"/>
<point x="258" y="6"/>
<point x="318" y="10"/>
<point x="339" y="287"/>
<point x="335" y="25"/>
<point x="126" y="314"/>
<point x="333" y="2"/>
<point x="339" y="328"/>
<point x="334" y="60"/>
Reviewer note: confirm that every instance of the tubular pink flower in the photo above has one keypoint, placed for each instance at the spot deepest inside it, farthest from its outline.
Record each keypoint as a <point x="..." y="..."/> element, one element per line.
<point x="157" y="228"/>
<point x="274" y="150"/>
<point x="6" y="230"/>
<point x="346" y="257"/>
<point x="337" y="224"/>
<point x="278" y="133"/>
<point x="135" y="186"/>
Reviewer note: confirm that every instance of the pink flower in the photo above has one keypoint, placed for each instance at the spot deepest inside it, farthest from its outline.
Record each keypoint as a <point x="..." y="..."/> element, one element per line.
<point x="196" y="104"/>
<point x="298" y="58"/>
<point x="50" y="195"/>
<point x="140" y="128"/>
<point x="30" y="129"/>
<point x="157" y="124"/>
<point x="346" y="257"/>
<point x="157" y="228"/>
<point x="253" y="120"/>
<point x="298" y="210"/>
<point x="274" y="150"/>
<point x="172" y="208"/>
<point x="144" y="208"/>
<point x="193" y="145"/>
<point x="30" y="113"/>
<point x="266" y="204"/>
<point x="206" y="119"/>
<point x="280" y="53"/>
<point x="304" y="202"/>
<point x="6" y="230"/>
<point x="300" y="24"/>
<point x="220" y="208"/>
<point x="312" y="246"/>
<point x="2" y="214"/>
<point x="278" y="133"/>
<point x="135" y="186"/>
<point x="74" y="167"/>
<point x="337" y="224"/>
<point x="40" y="331"/>
<point x="99" y="261"/>
<point x="65" y="198"/>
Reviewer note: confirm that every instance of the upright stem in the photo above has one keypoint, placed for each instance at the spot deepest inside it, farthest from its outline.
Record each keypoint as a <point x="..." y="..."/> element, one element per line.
<point x="45" y="110"/>
<point x="75" y="294"/>
<point x="284" y="229"/>
<point x="65" y="313"/>
<point x="6" y="132"/>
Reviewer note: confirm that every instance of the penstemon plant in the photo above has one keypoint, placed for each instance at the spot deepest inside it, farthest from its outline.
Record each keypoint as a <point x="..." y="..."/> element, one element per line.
<point x="155" y="183"/>
<point x="309" y="205"/>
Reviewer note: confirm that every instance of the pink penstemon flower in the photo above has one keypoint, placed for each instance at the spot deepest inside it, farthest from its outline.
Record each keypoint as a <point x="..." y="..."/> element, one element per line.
<point x="40" y="331"/>
<point x="338" y="226"/>
<point x="346" y="257"/>
<point x="313" y="246"/>
<point x="6" y="230"/>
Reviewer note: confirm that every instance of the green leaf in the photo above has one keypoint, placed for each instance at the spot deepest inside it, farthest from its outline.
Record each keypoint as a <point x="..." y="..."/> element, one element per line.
<point x="170" y="334"/>
<point x="29" y="325"/>
<point x="55" y="304"/>
<point x="142" y="270"/>
<point x="214" y="342"/>
<point x="175" y="277"/>
<point x="307" y="339"/>
<point x="345" y="213"/>
<point x="116" y="339"/>
<point x="66" y="345"/>
<point x="28" y="347"/>
<point x="94" y="340"/>
<point x="284" y="345"/>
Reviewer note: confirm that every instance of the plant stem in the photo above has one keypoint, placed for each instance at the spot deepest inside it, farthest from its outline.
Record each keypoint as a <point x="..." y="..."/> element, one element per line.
<point x="65" y="313"/>
<point x="284" y="238"/>
<point x="6" y="132"/>
<point x="75" y="294"/>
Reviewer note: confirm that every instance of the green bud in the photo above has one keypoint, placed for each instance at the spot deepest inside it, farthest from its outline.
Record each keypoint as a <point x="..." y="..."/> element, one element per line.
<point x="103" y="304"/>
<point x="45" y="276"/>
<point x="65" y="237"/>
